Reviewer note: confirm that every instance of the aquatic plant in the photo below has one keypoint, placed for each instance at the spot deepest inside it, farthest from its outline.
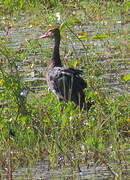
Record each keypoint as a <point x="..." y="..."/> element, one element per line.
<point x="34" y="127"/>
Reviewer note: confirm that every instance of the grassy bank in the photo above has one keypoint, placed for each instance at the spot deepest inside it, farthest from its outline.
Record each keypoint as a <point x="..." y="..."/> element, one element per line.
<point x="35" y="127"/>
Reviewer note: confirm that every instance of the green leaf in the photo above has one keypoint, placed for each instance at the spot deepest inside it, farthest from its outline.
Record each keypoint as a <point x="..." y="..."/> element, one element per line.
<point x="24" y="120"/>
<point x="74" y="63"/>
<point x="102" y="36"/>
<point x="83" y="35"/>
<point x="127" y="77"/>
<point x="90" y="140"/>
<point x="1" y="82"/>
<point x="69" y="22"/>
<point x="1" y="126"/>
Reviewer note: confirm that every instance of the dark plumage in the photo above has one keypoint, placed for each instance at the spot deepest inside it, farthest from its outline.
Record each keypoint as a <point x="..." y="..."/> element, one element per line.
<point x="66" y="83"/>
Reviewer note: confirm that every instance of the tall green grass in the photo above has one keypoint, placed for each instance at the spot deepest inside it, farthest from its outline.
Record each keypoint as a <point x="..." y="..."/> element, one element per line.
<point x="35" y="127"/>
<point x="16" y="5"/>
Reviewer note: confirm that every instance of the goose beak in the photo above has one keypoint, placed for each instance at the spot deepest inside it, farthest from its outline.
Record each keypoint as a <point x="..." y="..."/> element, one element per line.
<point x="44" y="36"/>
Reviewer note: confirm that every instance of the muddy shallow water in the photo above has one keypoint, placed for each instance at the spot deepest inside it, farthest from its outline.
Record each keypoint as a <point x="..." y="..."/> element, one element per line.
<point x="32" y="66"/>
<point x="40" y="171"/>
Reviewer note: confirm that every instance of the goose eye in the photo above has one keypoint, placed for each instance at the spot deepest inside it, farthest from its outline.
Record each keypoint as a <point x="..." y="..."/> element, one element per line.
<point x="51" y="30"/>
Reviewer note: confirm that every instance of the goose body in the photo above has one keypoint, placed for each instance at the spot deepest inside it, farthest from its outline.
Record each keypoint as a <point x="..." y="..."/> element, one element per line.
<point x="66" y="83"/>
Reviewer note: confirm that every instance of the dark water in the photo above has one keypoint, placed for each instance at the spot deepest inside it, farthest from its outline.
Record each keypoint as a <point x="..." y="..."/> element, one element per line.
<point x="33" y="71"/>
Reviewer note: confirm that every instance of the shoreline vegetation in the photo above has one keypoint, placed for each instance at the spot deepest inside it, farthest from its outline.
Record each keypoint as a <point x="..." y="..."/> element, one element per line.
<point x="35" y="125"/>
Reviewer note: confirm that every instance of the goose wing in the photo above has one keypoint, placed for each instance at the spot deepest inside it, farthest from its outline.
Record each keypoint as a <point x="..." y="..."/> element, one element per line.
<point x="66" y="83"/>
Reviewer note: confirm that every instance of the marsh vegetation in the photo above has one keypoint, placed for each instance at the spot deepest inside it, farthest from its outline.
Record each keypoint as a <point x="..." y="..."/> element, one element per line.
<point x="36" y="128"/>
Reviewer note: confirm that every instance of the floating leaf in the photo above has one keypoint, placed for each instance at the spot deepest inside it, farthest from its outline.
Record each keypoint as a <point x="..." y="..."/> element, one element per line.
<point x="69" y="22"/>
<point x="102" y="36"/>
<point x="127" y="77"/>
<point x="83" y="35"/>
